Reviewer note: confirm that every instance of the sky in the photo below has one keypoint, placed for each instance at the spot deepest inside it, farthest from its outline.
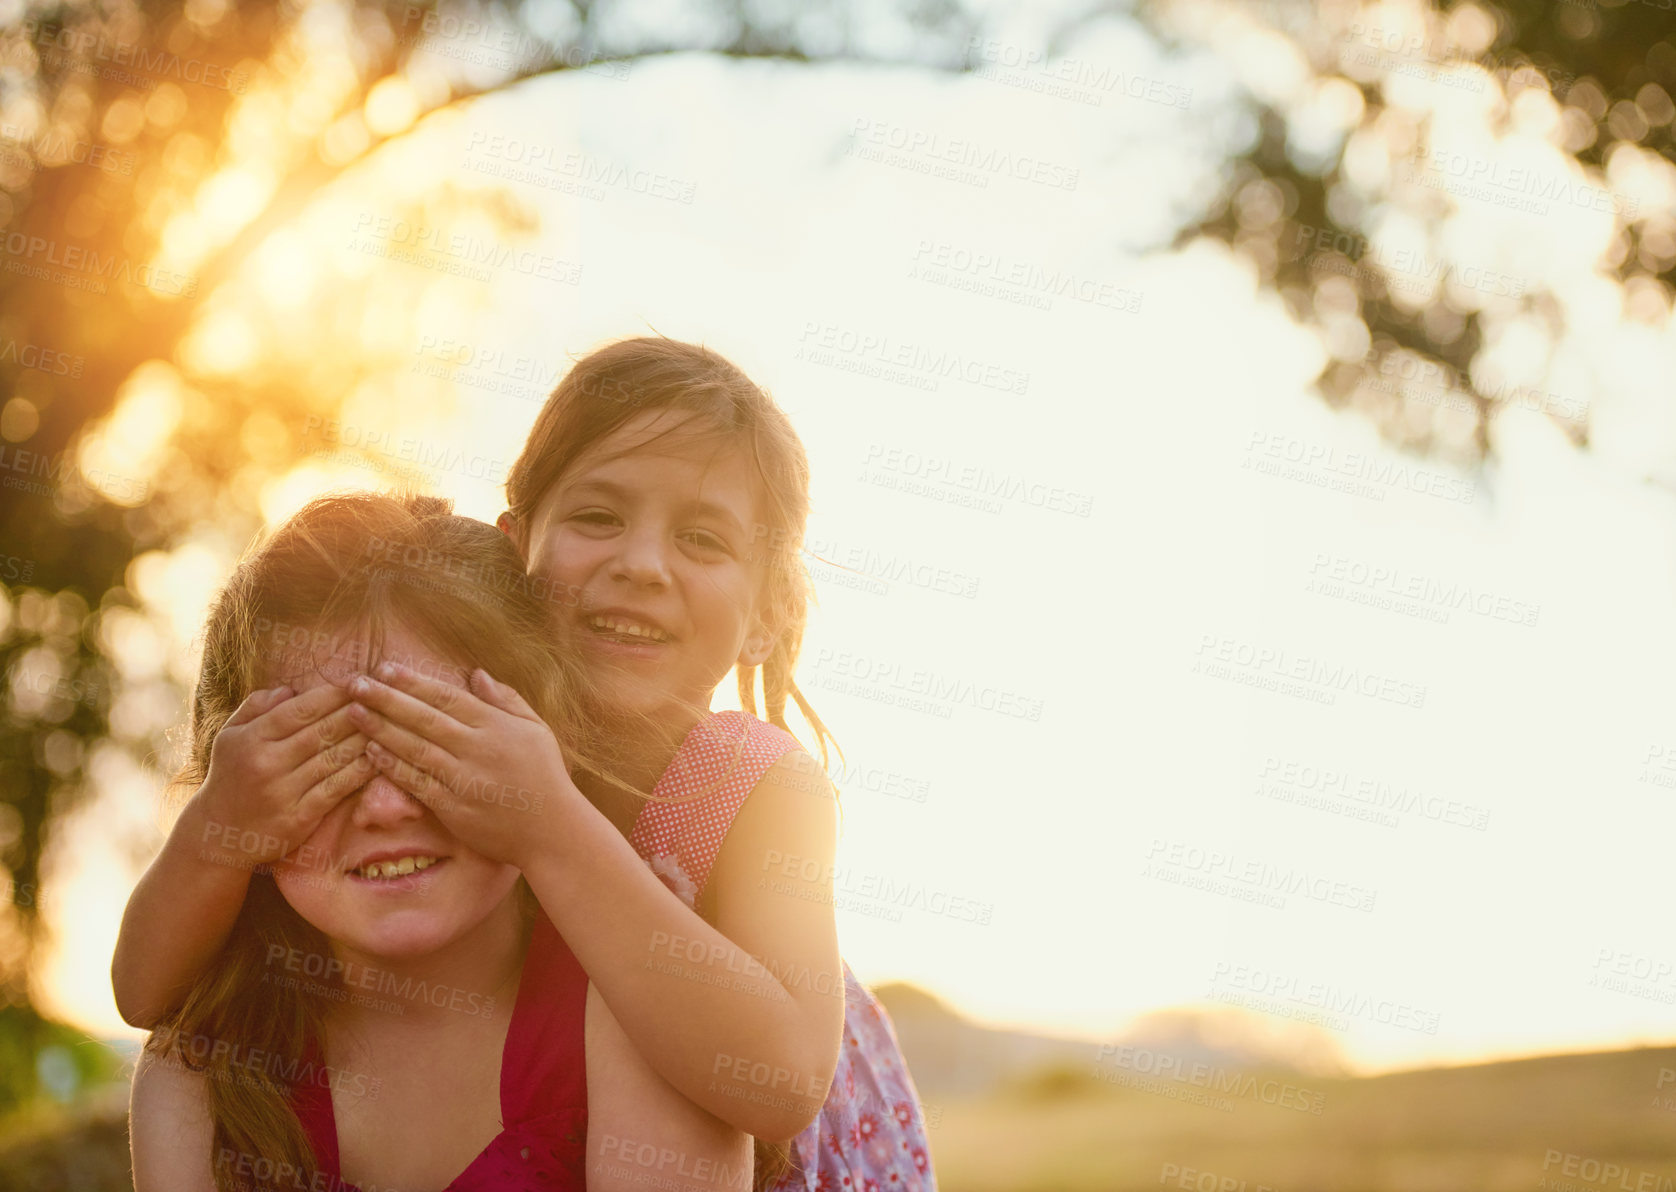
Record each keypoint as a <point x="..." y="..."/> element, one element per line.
<point x="1159" y="682"/>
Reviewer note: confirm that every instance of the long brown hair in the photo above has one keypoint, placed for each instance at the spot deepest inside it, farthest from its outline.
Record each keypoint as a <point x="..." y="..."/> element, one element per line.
<point x="351" y="566"/>
<point x="608" y="388"/>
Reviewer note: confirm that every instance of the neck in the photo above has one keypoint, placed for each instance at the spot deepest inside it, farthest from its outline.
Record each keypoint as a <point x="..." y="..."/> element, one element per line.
<point x="642" y="747"/>
<point x="468" y="975"/>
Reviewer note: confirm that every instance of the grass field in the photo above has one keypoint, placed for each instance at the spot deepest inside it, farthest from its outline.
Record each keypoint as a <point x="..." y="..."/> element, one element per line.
<point x="1587" y="1123"/>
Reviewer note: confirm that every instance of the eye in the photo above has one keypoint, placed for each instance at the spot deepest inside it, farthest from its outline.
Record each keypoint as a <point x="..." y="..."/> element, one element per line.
<point x="595" y="517"/>
<point x="706" y="540"/>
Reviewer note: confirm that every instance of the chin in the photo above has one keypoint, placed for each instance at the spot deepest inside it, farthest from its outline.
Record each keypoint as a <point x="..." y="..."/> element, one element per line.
<point x="398" y="926"/>
<point x="624" y="693"/>
<point x="400" y="935"/>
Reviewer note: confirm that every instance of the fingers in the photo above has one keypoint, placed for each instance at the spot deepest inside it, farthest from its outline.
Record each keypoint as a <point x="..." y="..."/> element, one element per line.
<point x="331" y="781"/>
<point x="256" y="703"/>
<point x="457" y="703"/>
<point x="418" y="718"/>
<point x="327" y="761"/>
<point x="403" y="743"/>
<point x="322" y="735"/>
<point x="286" y="718"/>
<point x="498" y="694"/>
<point x="416" y="782"/>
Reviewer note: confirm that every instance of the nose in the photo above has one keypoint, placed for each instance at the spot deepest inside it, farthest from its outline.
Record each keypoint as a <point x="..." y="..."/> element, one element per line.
<point x="383" y="804"/>
<point x="642" y="559"/>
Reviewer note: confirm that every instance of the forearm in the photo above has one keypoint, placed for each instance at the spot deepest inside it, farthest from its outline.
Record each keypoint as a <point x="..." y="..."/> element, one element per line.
<point x="178" y="917"/>
<point x="708" y="1016"/>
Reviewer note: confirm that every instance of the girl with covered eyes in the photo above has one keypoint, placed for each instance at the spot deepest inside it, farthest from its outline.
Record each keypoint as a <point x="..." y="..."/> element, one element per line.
<point x="391" y="1009"/>
<point x="661" y="502"/>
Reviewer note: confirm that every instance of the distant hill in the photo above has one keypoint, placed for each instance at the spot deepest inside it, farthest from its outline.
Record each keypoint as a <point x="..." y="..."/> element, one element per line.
<point x="1570" y="1123"/>
<point x="949" y="1055"/>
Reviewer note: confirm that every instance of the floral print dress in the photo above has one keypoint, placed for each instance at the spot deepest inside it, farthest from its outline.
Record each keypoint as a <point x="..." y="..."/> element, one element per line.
<point x="870" y="1134"/>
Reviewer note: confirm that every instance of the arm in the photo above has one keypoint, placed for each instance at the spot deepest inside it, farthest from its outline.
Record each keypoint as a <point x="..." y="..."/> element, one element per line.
<point x="170" y="1135"/>
<point x="739" y="1017"/>
<point x="641" y="1130"/>
<point x="160" y="950"/>
<point x="278" y="765"/>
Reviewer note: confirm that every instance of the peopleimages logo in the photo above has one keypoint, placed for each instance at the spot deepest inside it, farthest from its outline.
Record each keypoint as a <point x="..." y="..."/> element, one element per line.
<point x="85" y="48"/>
<point x="446" y="251"/>
<point x="81" y="267"/>
<point x="1317" y="679"/>
<point x="911" y="471"/>
<point x="244" y="1060"/>
<point x="341" y="979"/>
<point x="1516" y="187"/>
<point x="1030" y="69"/>
<point x="942" y="689"/>
<point x="1265" y="989"/>
<point x="1593" y="1173"/>
<point x="1175" y="857"/>
<point x="928" y="150"/>
<point x="919" y="366"/>
<point x="1356" y="472"/>
<point x="1112" y="1061"/>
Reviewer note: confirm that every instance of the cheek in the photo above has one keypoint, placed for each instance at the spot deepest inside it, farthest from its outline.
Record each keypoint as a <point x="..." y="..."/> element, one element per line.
<point x="559" y="555"/>
<point x="725" y="606"/>
<point x="496" y="882"/>
<point x="306" y="878"/>
<point x="312" y="878"/>
<point x="477" y="884"/>
<point x="307" y="894"/>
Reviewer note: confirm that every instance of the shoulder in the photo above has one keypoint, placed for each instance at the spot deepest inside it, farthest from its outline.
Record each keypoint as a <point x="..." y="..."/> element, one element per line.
<point x="767" y="752"/>
<point x="756" y="794"/>
<point x="169" y="1128"/>
<point x="790" y="810"/>
<point x="794" y="774"/>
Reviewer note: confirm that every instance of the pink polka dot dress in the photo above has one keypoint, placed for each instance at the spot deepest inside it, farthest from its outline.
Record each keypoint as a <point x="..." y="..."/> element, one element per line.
<point x="870" y="1134"/>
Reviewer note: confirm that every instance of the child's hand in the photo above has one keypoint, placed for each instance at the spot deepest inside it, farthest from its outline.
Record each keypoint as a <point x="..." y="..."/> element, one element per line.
<point x="278" y="765"/>
<point x="480" y="758"/>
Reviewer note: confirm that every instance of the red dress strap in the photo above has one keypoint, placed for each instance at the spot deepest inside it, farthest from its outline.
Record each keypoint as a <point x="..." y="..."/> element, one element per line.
<point x="543" y="1086"/>
<point x="681" y="829"/>
<point x="312" y="1103"/>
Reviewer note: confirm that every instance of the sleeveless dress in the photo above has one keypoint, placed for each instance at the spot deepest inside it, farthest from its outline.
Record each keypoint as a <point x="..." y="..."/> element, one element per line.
<point x="870" y="1134"/>
<point x="543" y="1087"/>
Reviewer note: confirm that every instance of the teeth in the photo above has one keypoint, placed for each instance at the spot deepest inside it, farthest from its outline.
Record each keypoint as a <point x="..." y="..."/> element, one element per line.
<point x="629" y="628"/>
<point x="397" y="868"/>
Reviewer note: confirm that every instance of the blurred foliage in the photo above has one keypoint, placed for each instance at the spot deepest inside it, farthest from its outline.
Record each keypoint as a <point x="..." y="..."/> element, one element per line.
<point x="1054" y="1082"/>
<point x="150" y="151"/>
<point x="147" y="150"/>
<point x="37" y="1053"/>
<point x="77" y="1148"/>
<point x="1600" y="74"/>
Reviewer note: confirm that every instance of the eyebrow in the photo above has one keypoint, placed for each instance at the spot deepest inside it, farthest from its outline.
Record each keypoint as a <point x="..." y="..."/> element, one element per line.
<point x="704" y="508"/>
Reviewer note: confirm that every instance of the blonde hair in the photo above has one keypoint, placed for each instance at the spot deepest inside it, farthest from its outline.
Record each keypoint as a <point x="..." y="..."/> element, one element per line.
<point x="608" y="388"/>
<point x="367" y="562"/>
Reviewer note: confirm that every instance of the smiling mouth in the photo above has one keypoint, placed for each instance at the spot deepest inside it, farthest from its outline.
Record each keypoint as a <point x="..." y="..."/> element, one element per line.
<point x="620" y="629"/>
<point x="396" y="867"/>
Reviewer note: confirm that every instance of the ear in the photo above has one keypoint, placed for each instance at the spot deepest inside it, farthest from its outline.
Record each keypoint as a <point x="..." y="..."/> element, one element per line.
<point x="760" y="643"/>
<point x="508" y="525"/>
